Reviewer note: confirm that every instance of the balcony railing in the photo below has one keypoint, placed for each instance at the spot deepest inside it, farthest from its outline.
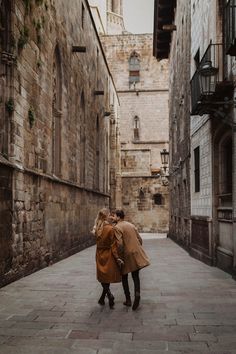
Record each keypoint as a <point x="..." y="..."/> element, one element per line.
<point x="230" y="27"/>
<point x="211" y="88"/>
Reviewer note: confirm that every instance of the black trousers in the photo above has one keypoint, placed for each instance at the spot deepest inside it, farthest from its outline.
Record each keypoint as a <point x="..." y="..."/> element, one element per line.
<point x="106" y="287"/>
<point x="136" y="280"/>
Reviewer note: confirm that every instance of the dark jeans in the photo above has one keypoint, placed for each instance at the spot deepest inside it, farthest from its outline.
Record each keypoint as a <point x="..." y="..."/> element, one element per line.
<point x="136" y="280"/>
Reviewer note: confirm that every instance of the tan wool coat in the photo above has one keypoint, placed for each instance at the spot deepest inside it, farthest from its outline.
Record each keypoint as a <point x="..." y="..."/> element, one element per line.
<point x="108" y="270"/>
<point x="130" y="247"/>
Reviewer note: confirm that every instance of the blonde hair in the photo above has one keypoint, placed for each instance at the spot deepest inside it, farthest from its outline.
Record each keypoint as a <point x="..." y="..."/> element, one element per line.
<point x="99" y="221"/>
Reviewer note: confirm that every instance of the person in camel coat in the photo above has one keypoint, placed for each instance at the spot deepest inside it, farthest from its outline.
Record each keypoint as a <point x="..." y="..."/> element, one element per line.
<point x="107" y="259"/>
<point x="132" y="253"/>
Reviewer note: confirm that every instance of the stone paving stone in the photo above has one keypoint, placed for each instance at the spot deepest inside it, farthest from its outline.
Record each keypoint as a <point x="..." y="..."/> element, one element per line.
<point x="6" y="349"/>
<point x="76" y="334"/>
<point x="18" y="332"/>
<point x="7" y="324"/>
<point x="216" y="330"/>
<point x="199" y="337"/>
<point x="21" y="318"/>
<point x="164" y="335"/>
<point x="95" y="344"/>
<point x="116" y="336"/>
<point x="192" y="347"/>
<point x="33" y="325"/>
<point x="46" y="313"/>
<point x="139" y="345"/>
<point x="41" y="342"/>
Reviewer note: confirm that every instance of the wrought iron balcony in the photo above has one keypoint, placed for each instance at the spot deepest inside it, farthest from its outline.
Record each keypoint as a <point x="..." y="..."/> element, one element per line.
<point x="208" y="85"/>
<point x="230" y="27"/>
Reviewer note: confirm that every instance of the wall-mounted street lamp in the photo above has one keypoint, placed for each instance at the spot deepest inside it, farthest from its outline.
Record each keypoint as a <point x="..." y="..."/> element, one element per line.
<point x="208" y="78"/>
<point x="164" y="158"/>
<point x="164" y="169"/>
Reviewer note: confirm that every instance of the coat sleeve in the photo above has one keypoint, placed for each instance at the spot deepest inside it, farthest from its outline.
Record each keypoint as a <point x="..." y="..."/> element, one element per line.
<point x="114" y="245"/>
<point x="138" y="236"/>
<point x="119" y="241"/>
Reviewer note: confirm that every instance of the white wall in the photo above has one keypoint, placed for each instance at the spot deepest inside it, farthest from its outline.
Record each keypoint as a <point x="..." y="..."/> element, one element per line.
<point x="203" y="30"/>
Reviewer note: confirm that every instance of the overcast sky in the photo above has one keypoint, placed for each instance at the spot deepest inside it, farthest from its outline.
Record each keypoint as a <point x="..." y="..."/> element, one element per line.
<point x="138" y="15"/>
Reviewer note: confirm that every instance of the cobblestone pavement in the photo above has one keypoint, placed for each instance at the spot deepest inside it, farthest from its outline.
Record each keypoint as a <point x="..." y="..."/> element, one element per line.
<point x="186" y="307"/>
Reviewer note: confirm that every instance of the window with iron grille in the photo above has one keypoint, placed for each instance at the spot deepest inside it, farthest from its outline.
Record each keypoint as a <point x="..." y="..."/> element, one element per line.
<point x="197" y="169"/>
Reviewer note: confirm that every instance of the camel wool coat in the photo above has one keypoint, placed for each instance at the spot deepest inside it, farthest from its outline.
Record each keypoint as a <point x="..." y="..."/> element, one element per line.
<point x="130" y="247"/>
<point x="108" y="270"/>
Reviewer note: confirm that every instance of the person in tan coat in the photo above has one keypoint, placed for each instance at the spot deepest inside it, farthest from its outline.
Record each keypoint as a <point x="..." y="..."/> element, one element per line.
<point x="107" y="259"/>
<point x="133" y="255"/>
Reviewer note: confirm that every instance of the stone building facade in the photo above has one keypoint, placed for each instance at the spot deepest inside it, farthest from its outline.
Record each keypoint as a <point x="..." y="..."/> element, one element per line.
<point x="212" y="123"/>
<point x="179" y="120"/>
<point x="57" y="144"/>
<point x="212" y="209"/>
<point x="142" y="85"/>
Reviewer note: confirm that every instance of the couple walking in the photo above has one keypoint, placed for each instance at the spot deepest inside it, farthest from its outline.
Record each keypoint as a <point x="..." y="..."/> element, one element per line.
<point x="119" y="252"/>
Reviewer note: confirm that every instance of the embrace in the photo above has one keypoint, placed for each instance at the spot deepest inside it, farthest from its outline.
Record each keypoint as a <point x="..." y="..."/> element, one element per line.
<point x="119" y="252"/>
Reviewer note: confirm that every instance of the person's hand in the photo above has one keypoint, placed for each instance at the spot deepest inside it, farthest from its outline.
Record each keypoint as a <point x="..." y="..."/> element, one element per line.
<point x="120" y="262"/>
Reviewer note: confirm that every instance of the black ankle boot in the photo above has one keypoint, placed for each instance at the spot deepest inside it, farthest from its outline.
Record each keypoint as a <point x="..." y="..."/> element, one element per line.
<point x="136" y="302"/>
<point x="101" y="301"/>
<point x="111" y="299"/>
<point x="127" y="302"/>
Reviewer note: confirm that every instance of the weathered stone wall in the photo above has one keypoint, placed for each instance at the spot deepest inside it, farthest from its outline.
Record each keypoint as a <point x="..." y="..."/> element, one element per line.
<point x="59" y="139"/>
<point x="139" y="203"/>
<point x="179" y="118"/>
<point x="6" y="252"/>
<point x="141" y="142"/>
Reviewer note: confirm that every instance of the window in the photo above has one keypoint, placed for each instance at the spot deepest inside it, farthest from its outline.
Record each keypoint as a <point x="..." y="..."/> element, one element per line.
<point x="197" y="59"/>
<point x="226" y="167"/>
<point x="136" y="128"/>
<point x="230" y="27"/>
<point x="134" y="68"/>
<point x="158" y="200"/>
<point x="197" y="169"/>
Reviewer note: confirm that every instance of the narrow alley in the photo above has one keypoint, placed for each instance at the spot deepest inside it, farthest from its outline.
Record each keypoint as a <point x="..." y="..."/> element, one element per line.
<point x="55" y="310"/>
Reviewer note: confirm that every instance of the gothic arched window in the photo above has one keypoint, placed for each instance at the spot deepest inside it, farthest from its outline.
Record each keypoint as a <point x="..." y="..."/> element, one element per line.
<point x="56" y="108"/>
<point x="134" y="68"/>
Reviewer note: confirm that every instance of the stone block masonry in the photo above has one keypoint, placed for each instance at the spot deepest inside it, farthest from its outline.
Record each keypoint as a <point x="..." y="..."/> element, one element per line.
<point x="54" y="173"/>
